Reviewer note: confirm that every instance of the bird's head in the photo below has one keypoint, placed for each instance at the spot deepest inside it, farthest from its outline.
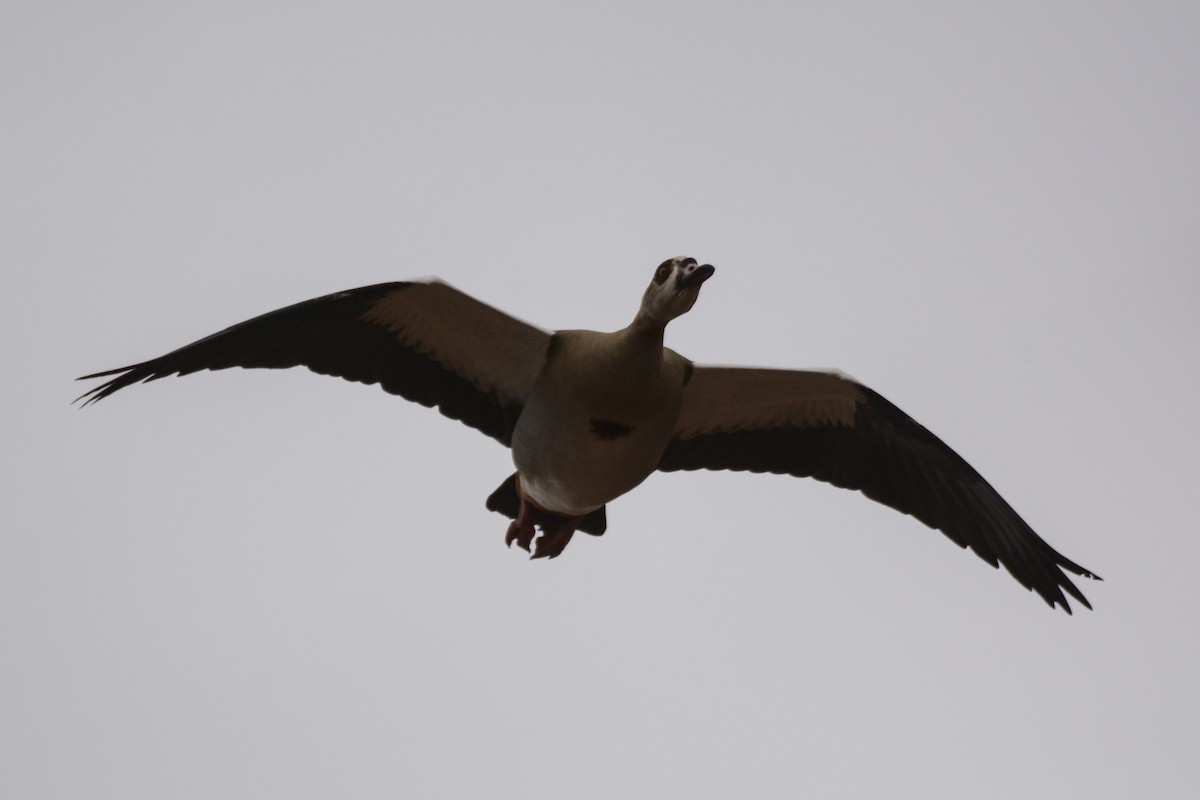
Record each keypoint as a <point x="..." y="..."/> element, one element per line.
<point x="673" y="291"/>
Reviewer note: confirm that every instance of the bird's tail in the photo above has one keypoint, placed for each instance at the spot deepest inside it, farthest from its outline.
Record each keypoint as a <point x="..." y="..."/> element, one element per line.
<point x="506" y="501"/>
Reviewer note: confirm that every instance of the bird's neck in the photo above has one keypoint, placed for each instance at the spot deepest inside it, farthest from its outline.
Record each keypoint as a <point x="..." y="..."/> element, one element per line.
<point x="646" y="327"/>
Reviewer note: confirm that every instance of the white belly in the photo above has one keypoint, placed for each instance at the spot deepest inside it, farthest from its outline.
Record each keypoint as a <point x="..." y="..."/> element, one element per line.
<point x="566" y="467"/>
<point x="580" y="443"/>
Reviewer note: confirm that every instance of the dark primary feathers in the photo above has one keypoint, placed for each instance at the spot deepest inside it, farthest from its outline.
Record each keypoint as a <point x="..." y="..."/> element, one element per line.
<point x="820" y="425"/>
<point x="401" y="336"/>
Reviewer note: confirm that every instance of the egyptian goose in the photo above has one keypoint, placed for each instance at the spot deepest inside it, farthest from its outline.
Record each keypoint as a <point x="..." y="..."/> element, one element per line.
<point x="590" y="415"/>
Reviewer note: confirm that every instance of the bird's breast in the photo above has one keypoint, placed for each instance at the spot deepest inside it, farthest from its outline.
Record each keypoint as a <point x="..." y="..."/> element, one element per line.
<point x="595" y="424"/>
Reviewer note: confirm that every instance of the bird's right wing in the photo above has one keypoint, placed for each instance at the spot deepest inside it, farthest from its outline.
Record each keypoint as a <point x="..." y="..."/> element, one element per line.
<point x="427" y="342"/>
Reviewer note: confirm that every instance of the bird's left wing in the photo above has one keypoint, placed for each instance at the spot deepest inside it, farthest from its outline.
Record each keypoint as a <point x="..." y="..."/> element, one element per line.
<point x="425" y="341"/>
<point x="825" y="426"/>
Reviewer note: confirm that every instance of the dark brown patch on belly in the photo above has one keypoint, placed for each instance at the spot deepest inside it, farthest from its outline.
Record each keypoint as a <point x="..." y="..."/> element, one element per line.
<point x="603" y="429"/>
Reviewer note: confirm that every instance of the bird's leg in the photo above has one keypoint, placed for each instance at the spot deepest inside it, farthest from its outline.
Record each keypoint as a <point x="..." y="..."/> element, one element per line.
<point x="557" y="531"/>
<point x="521" y="530"/>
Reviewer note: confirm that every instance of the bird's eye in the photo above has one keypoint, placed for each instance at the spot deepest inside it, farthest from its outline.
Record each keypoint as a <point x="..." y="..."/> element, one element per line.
<point x="662" y="274"/>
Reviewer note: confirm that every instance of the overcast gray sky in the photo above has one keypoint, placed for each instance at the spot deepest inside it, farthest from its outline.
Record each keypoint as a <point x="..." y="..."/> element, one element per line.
<point x="274" y="584"/>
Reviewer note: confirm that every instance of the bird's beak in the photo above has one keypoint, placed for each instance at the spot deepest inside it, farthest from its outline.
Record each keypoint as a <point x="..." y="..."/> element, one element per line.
<point x="697" y="276"/>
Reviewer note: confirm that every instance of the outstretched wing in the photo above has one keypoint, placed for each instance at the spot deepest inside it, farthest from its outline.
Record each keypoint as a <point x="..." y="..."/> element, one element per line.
<point x="824" y="426"/>
<point x="427" y="342"/>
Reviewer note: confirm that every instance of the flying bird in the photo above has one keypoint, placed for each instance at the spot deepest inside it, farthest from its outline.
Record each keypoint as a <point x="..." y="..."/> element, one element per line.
<point x="590" y="415"/>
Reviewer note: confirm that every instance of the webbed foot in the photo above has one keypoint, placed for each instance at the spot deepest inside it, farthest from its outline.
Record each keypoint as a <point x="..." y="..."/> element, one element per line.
<point x="557" y="530"/>
<point x="553" y="541"/>
<point x="521" y="530"/>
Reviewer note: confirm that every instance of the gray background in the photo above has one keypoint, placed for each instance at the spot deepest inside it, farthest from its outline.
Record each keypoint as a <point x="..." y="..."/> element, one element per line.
<point x="254" y="584"/>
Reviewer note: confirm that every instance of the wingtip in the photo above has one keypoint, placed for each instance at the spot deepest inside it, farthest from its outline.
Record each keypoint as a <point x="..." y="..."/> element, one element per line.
<point x="88" y="397"/>
<point x="1062" y="600"/>
<point x="105" y="373"/>
<point x="97" y="393"/>
<point x="1070" y="586"/>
